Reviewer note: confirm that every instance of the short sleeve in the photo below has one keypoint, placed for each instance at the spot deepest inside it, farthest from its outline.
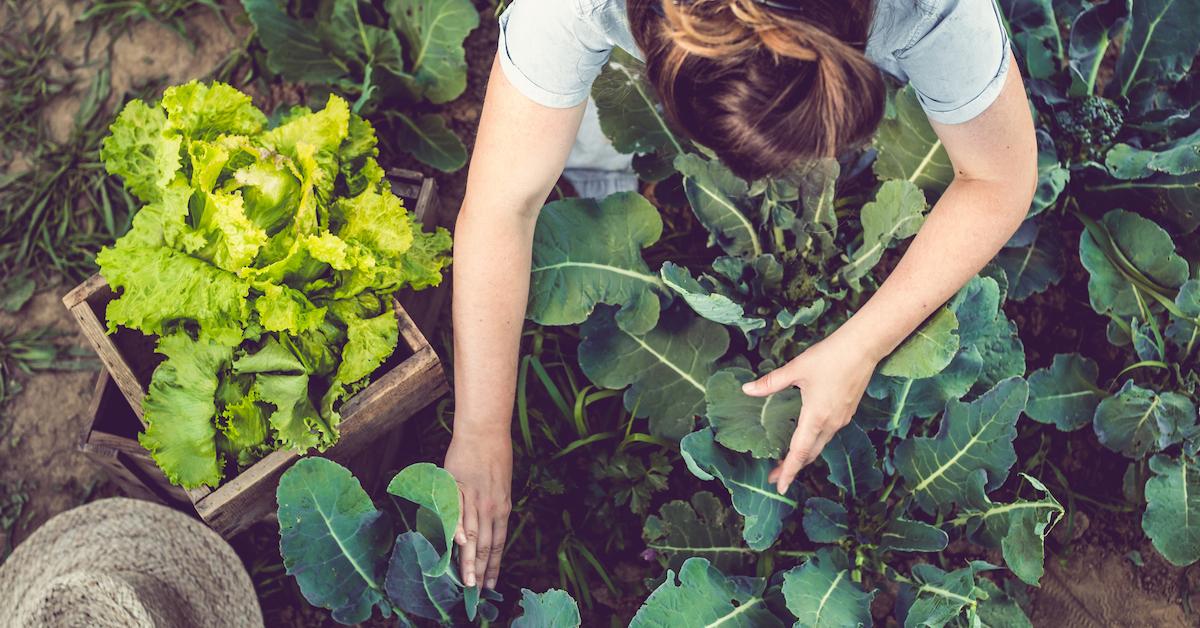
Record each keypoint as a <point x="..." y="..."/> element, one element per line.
<point x="958" y="59"/>
<point x="550" y="51"/>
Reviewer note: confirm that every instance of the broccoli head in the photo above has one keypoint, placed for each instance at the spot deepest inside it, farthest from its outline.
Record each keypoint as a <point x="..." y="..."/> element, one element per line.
<point x="1088" y="127"/>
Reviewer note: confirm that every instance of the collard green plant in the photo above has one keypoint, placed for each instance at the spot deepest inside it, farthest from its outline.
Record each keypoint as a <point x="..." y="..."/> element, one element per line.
<point x="346" y="557"/>
<point x="789" y="262"/>
<point x="1126" y="163"/>
<point x="264" y="261"/>
<point x="402" y="52"/>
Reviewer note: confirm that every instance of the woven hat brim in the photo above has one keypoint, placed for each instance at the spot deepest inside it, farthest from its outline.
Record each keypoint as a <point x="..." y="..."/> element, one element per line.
<point x="207" y="582"/>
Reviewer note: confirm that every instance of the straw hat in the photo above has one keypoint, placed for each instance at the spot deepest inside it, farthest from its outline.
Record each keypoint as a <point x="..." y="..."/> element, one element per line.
<point x="128" y="563"/>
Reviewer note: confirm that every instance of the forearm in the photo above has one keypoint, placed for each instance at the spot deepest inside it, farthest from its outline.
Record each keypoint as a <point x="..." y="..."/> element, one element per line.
<point x="491" y="286"/>
<point x="965" y="229"/>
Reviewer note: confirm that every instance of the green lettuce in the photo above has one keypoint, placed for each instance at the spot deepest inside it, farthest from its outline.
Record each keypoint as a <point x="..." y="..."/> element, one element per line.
<point x="264" y="260"/>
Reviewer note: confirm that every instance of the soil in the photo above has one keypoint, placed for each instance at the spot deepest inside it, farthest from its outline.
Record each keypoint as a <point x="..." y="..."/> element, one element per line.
<point x="1093" y="577"/>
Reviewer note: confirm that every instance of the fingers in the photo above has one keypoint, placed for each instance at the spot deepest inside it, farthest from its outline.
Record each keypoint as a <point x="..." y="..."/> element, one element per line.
<point x="484" y="548"/>
<point x="499" y="535"/>
<point x="460" y="536"/>
<point x="768" y="384"/>
<point x="801" y="451"/>
<point x="471" y="532"/>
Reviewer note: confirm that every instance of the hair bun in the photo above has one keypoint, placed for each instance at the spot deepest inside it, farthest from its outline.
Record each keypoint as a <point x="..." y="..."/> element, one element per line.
<point x="763" y="87"/>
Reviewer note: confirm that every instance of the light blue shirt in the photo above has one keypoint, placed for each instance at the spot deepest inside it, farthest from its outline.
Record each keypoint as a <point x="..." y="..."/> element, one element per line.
<point x="954" y="53"/>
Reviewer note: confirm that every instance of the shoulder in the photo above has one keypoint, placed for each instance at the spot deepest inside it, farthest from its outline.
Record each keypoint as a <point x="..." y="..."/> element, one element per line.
<point x="552" y="50"/>
<point x="954" y="53"/>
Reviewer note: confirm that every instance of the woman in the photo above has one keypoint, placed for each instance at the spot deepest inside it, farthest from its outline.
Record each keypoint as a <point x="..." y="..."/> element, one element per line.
<point x="765" y="84"/>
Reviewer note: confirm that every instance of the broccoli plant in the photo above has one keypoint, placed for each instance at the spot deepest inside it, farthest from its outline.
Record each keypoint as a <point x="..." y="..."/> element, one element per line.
<point x="342" y="552"/>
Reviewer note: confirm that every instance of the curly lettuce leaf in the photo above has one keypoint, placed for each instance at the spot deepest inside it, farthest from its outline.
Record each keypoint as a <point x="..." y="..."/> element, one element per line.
<point x="139" y="150"/>
<point x="199" y="111"/>
<point x="160" y="287"/>
<point x="285" y="309"/>
<point x="179" y="409"/>
<point x="244" y="427"/>
<point x="425" y="259"/>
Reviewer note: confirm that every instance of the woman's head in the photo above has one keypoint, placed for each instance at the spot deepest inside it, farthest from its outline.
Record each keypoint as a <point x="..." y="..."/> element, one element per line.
<point x="763" y="87"/>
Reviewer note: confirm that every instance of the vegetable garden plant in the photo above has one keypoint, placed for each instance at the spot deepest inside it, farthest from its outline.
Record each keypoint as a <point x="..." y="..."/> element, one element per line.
<point x="930" y="455"/>
<point x="264" y="261"/>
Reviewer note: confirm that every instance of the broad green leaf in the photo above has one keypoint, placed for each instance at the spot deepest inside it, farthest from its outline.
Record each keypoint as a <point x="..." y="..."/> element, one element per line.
<point x="179" y="409"/>
<point x="760" y="426"/>
<point x="333" y="540"/>
<point x="666" y="369"/>
<point x="927" y="351"/>
<point x="712" y="305"/>
<point x="628" y="110"/>
<point x="906" y="535"/>
<point x="1032" y="260"/>
<point x="1065" y="394"/>
<point x="825" y="521"/>
<point x="1127" y="255"/>
<point x="703" y="596"/>
<point x="587" y="252"/>
<point x="821" y="593"/>
<point x="1052" y="175"/>
<point x="896" y="213"/>
<point x="1091" y="32"/>
<point x="1181" y="157"/>
<point x="1183" y="331"/>
<point x="853" y="462"/>
<point x="983" y="327"/>
<point x="746" y="479"/>
<point x="1035" y="32"/>
<point x="294" y="48"/>
<point x="721" y="203"/>
<point x="552" y="608"/>
<point x="1137" y="421"/>
<point x="1000" y="609"/>
<point x="409" y="585"/>
<point x="1159" y="48"/>
<point x="1172" y="517"/>
<point x="434" y="489"/>
<point x="903" y="399"/>
<point x="938" y="598"/>
<point x="1019" y="529"/>
<point x="140" y="151"/>
<point x="704" y="527"/>
<point x="434" y="31"/>
<point x="429" y="140"/>
<point x="818" y="220"/>
<point x="909" y="149"/>
<point x="975" y="435"/>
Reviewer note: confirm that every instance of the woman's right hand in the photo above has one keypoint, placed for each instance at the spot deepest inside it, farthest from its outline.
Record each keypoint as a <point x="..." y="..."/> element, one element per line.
<point x="520" y="149"/>
<point x="481" y="462"/>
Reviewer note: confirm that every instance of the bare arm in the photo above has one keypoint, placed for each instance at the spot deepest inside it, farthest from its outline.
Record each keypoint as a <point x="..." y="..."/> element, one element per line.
<point x="520" y="150"/>
<point x="995" y="165"/>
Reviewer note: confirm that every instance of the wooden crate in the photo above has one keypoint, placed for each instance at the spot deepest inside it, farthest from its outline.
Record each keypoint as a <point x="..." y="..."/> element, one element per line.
<point x="405" y="383"/>
<point x="425" y="306"/>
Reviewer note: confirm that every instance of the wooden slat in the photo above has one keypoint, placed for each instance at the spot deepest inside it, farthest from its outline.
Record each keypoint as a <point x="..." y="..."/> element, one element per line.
<point x="96" y="334"/>
<point x="80" y="293"/>
<point x="118" y="473"/>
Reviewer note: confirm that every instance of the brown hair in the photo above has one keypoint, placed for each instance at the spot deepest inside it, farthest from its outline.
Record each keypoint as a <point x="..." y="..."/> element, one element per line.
<point x="764" y="88"/>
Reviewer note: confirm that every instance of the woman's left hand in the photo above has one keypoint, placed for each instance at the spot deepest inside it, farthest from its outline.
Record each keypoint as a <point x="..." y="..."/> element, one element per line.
<point x="831" y="376"/>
